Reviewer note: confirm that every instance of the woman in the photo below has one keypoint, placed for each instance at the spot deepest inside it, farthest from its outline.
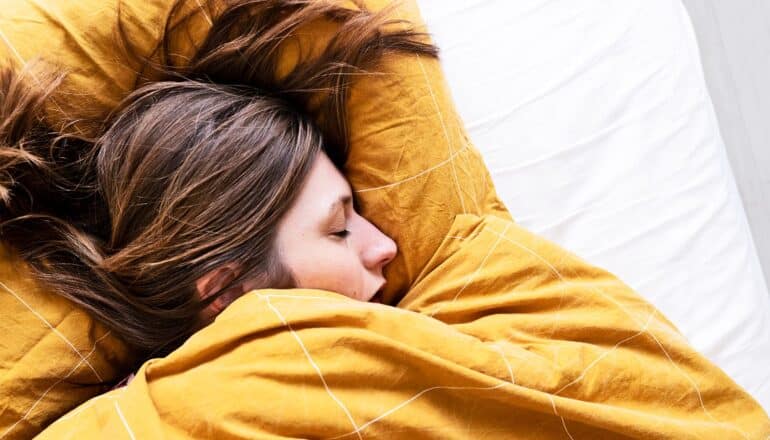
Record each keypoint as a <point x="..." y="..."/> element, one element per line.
<point x="201" y="188"/>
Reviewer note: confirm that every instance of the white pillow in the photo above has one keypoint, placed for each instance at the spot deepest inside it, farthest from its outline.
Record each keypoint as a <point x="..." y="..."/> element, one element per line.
<point x="596" y="124"/>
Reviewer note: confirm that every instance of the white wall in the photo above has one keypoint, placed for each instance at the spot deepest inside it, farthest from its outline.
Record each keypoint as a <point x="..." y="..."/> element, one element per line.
<point x="734" y="40"/>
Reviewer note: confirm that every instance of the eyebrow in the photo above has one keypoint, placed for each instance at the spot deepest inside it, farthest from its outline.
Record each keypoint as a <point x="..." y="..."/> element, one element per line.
<point x="342" y="201"/>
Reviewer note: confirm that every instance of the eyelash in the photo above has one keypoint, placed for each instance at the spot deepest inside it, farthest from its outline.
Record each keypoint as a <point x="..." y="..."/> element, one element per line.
<point x="342" y="234"/>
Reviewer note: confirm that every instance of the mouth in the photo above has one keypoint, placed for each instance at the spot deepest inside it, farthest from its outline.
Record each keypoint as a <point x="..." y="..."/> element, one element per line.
<point x="378" y="296"/>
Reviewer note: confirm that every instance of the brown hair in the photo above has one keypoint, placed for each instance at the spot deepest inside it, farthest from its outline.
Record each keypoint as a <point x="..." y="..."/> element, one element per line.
<point x="251" y="42"/>
<point x="192" y="173"/>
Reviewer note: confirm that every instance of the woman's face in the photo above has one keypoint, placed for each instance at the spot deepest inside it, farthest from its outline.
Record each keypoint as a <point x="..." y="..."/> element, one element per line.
<point x="325" y="243"/>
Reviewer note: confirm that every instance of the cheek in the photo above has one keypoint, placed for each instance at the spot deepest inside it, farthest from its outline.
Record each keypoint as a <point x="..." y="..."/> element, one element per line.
<point x="325" y="265"/>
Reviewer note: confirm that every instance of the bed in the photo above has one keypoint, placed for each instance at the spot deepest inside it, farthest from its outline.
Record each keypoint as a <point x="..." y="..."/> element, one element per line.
<point x="597" y="127"/>
<point x="502" y="333"/>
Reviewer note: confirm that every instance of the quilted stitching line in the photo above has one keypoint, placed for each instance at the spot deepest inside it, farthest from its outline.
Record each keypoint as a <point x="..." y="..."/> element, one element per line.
<point x="449" y="146"/>
<point x="563" y="422"/>
<point x="123" y="419"/>
<point x="53" y="329"/>
<point x="418" y="175"/>
<point x="18" y="56"/>
<point x="472" y="276"/>
<point x="357" y="429"/>
<point x="11" y="47"/>
<point x="643" y="329"/>
<point x="61" y="379"/>
<point x="205" y="14"/>
<point x="313" y="364"/>
<point x="505" y="360"/>
<point x="410" y="400"/>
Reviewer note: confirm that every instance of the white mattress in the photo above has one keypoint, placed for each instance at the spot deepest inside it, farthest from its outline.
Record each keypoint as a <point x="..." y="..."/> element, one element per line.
<point x="595" y="121"/>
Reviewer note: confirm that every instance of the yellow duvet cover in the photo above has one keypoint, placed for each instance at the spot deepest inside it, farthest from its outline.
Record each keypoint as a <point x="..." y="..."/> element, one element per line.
<point x="505" y="335"/>
<point x="501" y="334"/>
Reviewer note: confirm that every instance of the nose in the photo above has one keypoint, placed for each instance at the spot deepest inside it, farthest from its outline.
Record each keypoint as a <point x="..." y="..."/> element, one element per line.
<point x="380" y="249"/>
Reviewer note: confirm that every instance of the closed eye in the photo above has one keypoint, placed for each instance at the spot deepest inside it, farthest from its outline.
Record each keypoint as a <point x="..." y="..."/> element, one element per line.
<point x="342" y="234"/>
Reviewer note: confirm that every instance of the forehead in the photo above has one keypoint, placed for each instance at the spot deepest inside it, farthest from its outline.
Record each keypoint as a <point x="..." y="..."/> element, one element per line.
<point x="323" y="186"/>
<point x="324" y="175"/>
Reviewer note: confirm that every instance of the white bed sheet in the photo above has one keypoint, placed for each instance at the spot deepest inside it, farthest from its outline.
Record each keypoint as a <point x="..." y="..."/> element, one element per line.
<point x="596" y="124"/>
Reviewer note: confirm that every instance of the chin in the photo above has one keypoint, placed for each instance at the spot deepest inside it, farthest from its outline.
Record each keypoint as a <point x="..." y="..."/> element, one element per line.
<point x="366" y="297"/>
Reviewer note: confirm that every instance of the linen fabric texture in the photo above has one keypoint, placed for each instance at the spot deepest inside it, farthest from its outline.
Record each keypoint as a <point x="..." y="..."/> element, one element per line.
<point x="501" y="334"/>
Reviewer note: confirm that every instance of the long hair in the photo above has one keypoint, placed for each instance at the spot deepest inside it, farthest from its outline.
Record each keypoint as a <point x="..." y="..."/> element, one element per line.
<point x="190" y="173"/>
<point x="189" y="177"/>
<point x="307" y="51"/>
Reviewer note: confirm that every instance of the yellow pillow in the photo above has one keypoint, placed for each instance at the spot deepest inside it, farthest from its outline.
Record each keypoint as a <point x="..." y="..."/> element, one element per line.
<point x="411" y="164"/>
<point x="53" y="355"/>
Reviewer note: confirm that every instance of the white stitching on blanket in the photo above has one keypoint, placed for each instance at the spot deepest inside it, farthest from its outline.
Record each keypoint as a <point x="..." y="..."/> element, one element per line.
<point x="697" y="390"/>
<point x="605" y="354"/>
<point x="57" y="332"/>
<point x="410" y="400"/>
<point x="112" y="395"/>
<point x="312" y="362"/>
<point x="505" y="359"/>
<point x="11" y="46"/>
<point x="415" y="176"/>
<point x="563" y="422"/>
<point x="205" y="14"/>
<point x="636" y="321"/>
<point x="39" y="399"/>
<point x="358" y="429"/>
<point x="16" y="53"/>
<point x="123" y="419"/>
<point x="450" y="149"/>
<point x="470" y="277"/>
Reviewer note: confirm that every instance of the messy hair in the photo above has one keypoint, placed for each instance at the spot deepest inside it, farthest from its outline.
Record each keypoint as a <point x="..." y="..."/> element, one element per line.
<point x="193" y="170"/>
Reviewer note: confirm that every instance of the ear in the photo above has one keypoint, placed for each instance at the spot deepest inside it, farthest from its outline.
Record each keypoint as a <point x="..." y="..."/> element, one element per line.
<point x="213" y="282"/>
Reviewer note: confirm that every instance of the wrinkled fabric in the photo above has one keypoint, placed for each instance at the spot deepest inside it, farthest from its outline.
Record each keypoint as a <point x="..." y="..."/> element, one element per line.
<point x="599" y="132"/>
<point x="507" y="336"/>
<point x="407" y="148"/>
<point x="53" y="356"/>
<point x="500" y="334"/>
<point x="411" y="163"/>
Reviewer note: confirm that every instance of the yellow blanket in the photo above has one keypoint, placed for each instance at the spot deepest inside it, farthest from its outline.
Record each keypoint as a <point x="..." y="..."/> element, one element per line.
<point x="507" y="336"/>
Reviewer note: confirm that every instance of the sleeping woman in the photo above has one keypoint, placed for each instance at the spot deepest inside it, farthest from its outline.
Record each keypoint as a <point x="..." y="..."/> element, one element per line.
<point x="224" y="176"/>
<point x="201" y="188"/>
<point x="207" y="192"/>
